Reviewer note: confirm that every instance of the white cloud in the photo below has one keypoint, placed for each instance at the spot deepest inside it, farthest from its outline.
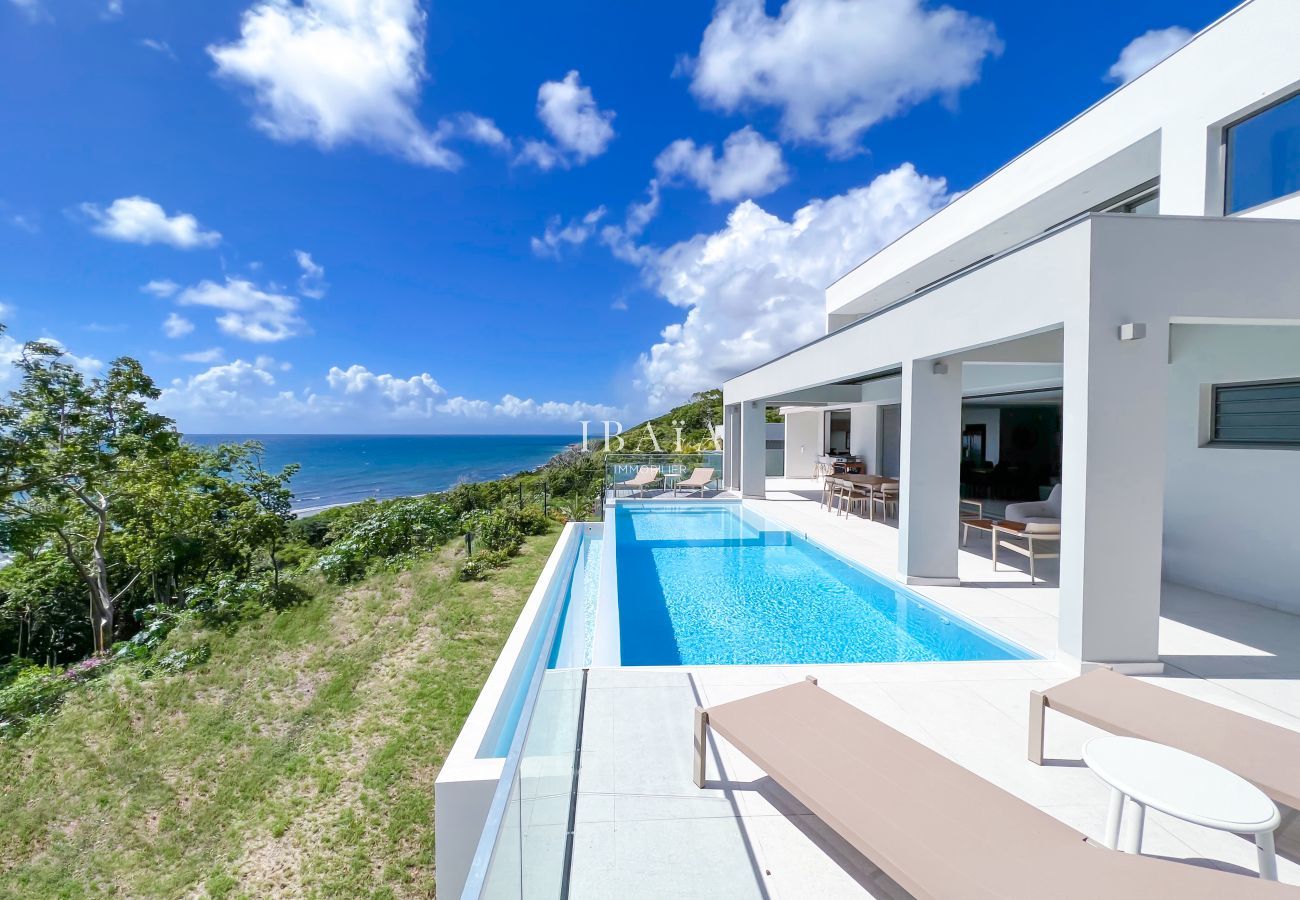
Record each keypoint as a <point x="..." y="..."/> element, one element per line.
<point x="161" y="287"/>
<point x="574" y="234"/>
<point x="6" y="310"/>
<point x="335" y="72"/>
<point x="33" y="9"/>
<point x="250" y="313"/>
<point x="622" y="239"/>
<point x="244" y="393"/>
<point x="540" y="154"/>
<point x="24" y="223"/>
<point x="750" y="166"/>
<point x="463" y="406"/>
<point x="836" y="67"/>
<point x="756" y="288"/>
<point x="479" y="129"/>
<point x="234" y="389"/>
<point x="580" y="129"/>
<point x="209" y="356"/>
<point x="1145" y="51"/>
<point x="312" y="281"/>
<point x="113" y="9"/>
<point x="415" y="396"/>
<point x="158" y="46"/>
<point x="518" y="408"/>
<point x="175" y="326"/>
<point x="139" y="220"/>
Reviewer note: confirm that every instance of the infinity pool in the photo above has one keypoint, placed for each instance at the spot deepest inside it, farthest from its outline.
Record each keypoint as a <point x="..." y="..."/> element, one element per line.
<point x="717" y="584"/>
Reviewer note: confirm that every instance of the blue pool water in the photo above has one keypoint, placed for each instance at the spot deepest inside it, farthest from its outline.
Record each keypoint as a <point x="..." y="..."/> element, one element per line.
<point x="714" y="584"/>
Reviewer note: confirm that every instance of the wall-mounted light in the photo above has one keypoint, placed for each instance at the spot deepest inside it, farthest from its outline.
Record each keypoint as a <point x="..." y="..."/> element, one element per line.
<point x="1132" y="331"/>
<point x="940" y="367"/>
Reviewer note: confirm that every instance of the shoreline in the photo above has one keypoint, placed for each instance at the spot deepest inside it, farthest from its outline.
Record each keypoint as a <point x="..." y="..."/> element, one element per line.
<point x="309" y="511"/>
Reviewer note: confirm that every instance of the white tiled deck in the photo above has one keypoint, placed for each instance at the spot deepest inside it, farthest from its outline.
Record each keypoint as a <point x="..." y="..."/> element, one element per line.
<point x="644" y="830"/>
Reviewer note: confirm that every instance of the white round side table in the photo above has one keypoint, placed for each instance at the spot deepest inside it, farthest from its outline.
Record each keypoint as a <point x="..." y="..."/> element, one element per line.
<point x="1184" y="786"/>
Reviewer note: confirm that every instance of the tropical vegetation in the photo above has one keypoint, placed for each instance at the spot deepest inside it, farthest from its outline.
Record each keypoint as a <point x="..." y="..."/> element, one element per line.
<point x="201" y="693"/>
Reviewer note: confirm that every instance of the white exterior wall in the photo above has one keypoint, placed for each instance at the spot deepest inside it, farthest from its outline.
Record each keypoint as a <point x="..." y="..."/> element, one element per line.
<point x="864" y="438"/>
<point x="1232" y="515"/>
<point x="803" y="440"/>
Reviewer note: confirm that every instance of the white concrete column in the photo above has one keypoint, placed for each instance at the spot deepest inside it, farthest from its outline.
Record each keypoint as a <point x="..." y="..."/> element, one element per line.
<point x="731" y="447"/>
<point x="1186" y="186"/>
<point x="931" y="472"/>
<point x="1112" y="478"/>
<point x="753" y="449"/>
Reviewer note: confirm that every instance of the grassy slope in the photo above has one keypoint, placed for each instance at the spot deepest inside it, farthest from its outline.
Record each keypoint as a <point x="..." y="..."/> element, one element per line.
<point x="299" y="760"/>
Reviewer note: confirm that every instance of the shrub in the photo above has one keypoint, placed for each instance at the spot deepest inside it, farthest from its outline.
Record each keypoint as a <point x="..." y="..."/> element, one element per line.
<point x="174" y="661"/>
<point x="481" y="565"/>
<point x="532" y="520"/>
<point x="498" y="530"/>
<point x="228" y="599"/>
<point x="35" y="691"/>
<point x="391" y="532"/>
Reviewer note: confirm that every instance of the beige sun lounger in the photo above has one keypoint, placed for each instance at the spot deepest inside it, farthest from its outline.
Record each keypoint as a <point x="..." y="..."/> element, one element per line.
<point x="697" y="482"/>
<point x="644" y="477"/>
<point x="1266" y="755"/>
<point x="937" y="829"/>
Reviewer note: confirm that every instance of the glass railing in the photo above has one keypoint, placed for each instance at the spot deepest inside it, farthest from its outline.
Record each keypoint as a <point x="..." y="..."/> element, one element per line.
<point x="529" y="851"/>
<point x="621" y="467"/>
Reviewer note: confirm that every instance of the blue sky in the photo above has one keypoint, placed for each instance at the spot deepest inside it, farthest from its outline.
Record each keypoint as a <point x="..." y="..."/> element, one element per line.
<point x="402" y="216"/>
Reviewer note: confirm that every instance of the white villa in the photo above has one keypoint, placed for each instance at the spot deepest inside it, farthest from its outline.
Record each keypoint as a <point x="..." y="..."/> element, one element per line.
<point x="1170" y="207"/>
<point x="1108" y="326"/>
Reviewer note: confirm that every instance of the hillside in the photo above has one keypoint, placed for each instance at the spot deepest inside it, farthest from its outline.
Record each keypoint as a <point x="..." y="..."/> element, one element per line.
<point x="299" y="759"/>
<point x="283" y="738"/>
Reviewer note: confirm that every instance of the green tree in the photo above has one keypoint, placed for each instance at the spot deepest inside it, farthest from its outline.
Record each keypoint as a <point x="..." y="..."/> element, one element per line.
<point x="267" y="510"/>
<point x="64" y="440"/>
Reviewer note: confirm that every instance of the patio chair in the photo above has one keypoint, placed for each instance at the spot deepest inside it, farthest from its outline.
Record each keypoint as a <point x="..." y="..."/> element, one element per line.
<point x="937" y="829"/>
<point x="887" y="496"/>
<point x="1035" y="535"/>
<point x="1262" y="753"/>
<point x="829" y="487"/>
<point x="644" y="477"/>
<point x="698" y="481"/>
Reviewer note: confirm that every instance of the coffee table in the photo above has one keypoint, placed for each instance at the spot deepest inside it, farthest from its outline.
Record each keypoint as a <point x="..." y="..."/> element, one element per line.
<point x="1145" y="773"/>
<point x="979" y="525"/>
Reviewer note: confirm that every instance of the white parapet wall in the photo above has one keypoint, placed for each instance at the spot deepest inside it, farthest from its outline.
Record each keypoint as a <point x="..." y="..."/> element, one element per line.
<point x="473" y="768"/>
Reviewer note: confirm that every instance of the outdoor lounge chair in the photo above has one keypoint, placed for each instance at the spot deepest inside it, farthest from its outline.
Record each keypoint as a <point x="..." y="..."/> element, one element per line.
<point x="698" y="481"/>
<point x="1266" y="755"/>
<point x="644" y="477"/>
<point x="937" y="829"/>
<point x="1040" y="512"/>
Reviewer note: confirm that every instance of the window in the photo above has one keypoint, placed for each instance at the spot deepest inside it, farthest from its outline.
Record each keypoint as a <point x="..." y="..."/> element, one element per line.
<point x="1264" y="156"/>
<point x="1143" y="205"/>
<point x="1261" y="413"/>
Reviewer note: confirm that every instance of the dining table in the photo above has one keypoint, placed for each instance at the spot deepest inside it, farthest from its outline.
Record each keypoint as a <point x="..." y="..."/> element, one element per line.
<point x="870" y="482"/>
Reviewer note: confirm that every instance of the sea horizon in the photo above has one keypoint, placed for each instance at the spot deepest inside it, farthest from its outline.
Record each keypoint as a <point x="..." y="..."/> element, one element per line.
<point x="339" y="469"/>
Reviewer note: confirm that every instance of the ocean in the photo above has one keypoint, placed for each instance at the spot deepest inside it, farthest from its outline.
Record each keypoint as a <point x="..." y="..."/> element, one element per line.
<point x="346" y="468"/>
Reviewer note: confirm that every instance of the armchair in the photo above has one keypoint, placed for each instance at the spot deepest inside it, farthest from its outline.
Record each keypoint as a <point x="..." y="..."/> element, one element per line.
<point x="1040" y="512"/>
